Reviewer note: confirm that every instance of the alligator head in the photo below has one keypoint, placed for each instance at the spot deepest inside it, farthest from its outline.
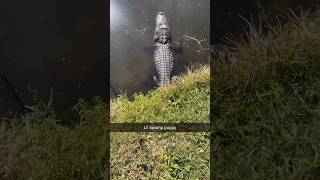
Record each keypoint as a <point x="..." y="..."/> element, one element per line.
<point x="162" y="31"/>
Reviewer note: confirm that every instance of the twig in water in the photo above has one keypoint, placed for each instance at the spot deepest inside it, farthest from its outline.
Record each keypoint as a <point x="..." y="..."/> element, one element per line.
<point x="198" y="41"/>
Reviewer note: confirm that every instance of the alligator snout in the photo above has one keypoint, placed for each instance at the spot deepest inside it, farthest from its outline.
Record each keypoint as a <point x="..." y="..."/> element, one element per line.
<point x="161" y="21"/>
<point x="161" y="17"/>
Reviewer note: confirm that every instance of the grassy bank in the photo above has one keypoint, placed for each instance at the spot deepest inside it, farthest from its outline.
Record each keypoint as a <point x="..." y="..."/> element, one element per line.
<point x="160" y="155"/>
<point x="36" y="146"/>
<point x="164" y="155"/>
<point x="186" y="100"/>
<point x="266" y="103"/>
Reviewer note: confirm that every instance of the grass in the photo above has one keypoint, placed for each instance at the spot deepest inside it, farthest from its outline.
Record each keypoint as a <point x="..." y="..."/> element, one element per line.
<point x="186" y="100"/>
<point x="36" y="146"/>
<point x="160" y="156"/>
<point x="265" y="105"/>
<point x="265" y="100"/>
<point x="164" y="155"/>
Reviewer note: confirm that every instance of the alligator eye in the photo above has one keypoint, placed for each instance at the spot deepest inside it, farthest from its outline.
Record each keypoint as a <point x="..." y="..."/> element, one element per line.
<point x="160" y="13"/>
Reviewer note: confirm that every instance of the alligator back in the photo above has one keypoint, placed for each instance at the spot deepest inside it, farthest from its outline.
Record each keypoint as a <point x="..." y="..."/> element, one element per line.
<point x="163" y="58"/>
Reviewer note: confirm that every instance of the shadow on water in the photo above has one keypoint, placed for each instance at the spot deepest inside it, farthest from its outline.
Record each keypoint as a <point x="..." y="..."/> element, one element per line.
<point x="131" y="39"/>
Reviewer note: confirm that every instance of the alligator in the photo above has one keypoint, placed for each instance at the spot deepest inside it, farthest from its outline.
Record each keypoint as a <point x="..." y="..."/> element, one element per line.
<point x="163" y="55"/>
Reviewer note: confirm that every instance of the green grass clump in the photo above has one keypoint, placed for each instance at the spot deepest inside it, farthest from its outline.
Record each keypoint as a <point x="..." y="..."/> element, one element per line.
<point x="164" y="155"/>
<point x="186" y="100"/>
<point x="266" y="103"/>
<point x="160" y="155"/>
<point x="37" y="146"/>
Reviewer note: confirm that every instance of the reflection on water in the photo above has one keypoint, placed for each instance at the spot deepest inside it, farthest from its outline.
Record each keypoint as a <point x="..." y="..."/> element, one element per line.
<point x="132" y="26"/>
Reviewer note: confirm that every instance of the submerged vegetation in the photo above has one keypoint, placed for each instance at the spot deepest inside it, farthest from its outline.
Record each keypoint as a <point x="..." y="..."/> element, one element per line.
<point x="266" y="103"/>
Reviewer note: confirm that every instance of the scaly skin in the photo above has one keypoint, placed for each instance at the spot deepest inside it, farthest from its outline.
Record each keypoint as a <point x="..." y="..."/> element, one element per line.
<point x="163" y="56"/>
<point x="163" y="59"/>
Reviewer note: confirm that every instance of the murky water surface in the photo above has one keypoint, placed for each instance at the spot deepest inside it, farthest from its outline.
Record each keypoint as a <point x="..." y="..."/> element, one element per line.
<point x="58" y="45"/>
<point x="132" y="26"/>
